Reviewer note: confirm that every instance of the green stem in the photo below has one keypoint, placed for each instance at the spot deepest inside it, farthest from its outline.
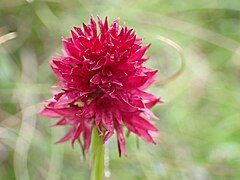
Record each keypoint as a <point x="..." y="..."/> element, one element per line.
<point x="97" y="169"/>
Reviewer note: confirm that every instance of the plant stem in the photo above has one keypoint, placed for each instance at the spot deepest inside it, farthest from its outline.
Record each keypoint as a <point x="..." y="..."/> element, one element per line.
<point x="97" y="169"/>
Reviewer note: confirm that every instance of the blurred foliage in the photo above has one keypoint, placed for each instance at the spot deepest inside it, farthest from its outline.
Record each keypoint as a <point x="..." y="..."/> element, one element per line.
<point x="199" y="121"/>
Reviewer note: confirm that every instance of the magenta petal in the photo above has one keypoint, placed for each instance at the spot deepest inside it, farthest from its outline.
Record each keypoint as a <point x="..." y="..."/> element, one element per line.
<point x="141" y="133"/>
<point x="84" y="41"/>
<point x="49" y="113"/>
<point x="142" y="123"/>
<point x="79" y="31"/>
<point x="66" y="111"/>
<point x="108" y="121"/>
<point x="70" y="49"/>
<point x="121" y="140"/>
<point x="139" y="54"/>
<point x="97" y="65"/>
<point x="67" y="98"/>
<point x="107" y="136"/>
<point x="61" y="122"/>
<point x="77" y="134"/>
<point x="140" y="127"/>
<point x="145" y="135"/>
<point x="95" y="79"/>
<point x="118" y="117"/>
<point x="67" y="137"/>
<point x="93" y="27"/>
<point x="87" y="135"/>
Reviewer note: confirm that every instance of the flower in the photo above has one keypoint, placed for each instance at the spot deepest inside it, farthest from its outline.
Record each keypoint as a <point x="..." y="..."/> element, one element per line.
<point x="101" y="83"/>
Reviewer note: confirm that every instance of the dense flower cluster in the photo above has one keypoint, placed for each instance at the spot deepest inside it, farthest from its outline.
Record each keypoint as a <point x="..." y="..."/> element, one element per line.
<point x="101" y="83"/>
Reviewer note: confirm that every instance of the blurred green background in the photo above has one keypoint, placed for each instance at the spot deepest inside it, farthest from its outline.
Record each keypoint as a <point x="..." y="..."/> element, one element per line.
<point x="199" y="121"/>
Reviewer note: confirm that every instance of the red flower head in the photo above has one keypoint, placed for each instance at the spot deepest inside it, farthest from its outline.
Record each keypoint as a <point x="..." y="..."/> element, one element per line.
<point x="102" y="81"/>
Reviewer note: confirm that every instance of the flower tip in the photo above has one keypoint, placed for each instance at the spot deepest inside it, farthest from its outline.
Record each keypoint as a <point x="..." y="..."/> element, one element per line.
<point x="72" y="143"/>
<point x="121" y="154"/>
<point x="45" y="112"/>
<point x="160" y="100"/>
<point x="106" y="19"/>
<point x="154" y="134"/>
<point x="58" y="141"/>
<point x="106" y="22"/>
<point x="148" y="46"/>
<point x="99" y="19"/>
<point x="155" y="117"/>
<point x="52" y="125"/>
<point x="40" y="112"/>
<point x="92" y="20"/>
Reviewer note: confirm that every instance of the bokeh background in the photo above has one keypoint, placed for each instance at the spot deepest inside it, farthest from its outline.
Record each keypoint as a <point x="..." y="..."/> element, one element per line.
<point x="199" y="121"/>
